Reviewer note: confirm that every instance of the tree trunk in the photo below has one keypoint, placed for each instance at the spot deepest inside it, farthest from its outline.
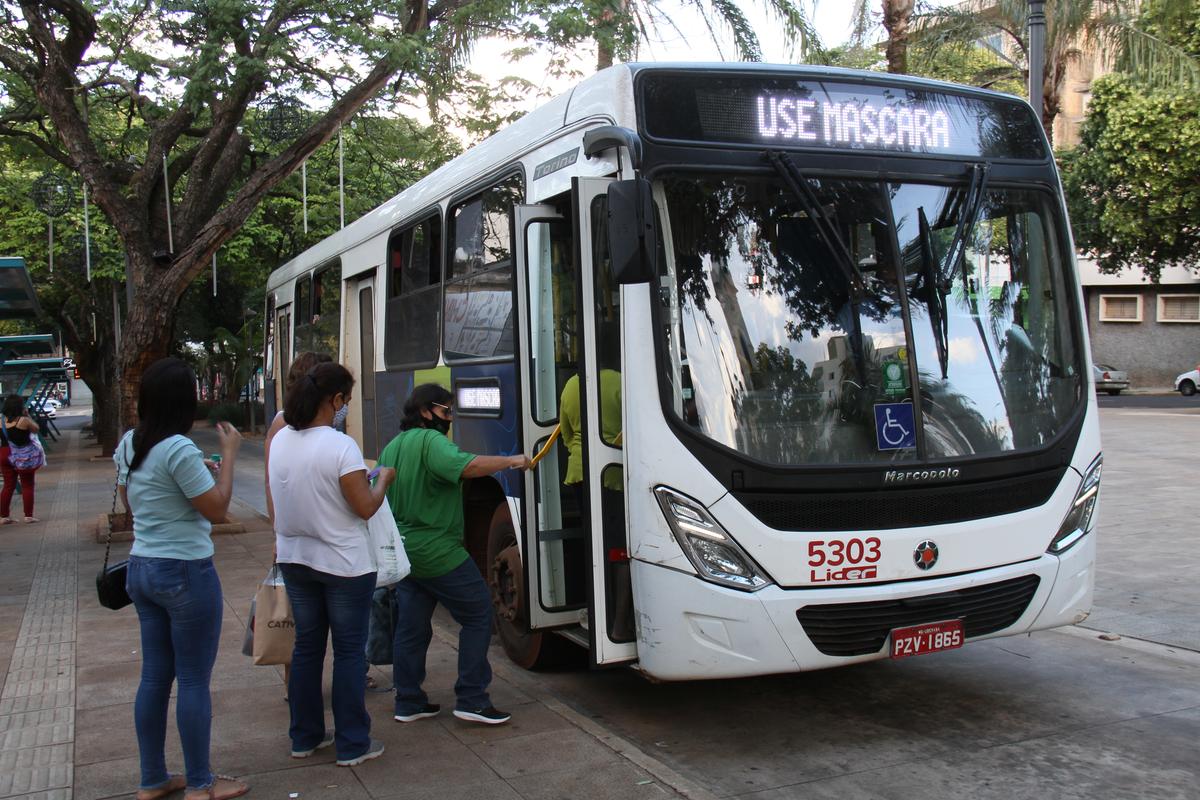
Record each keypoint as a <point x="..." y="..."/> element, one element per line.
<point x="145" y="338"/>
<point x="897" y="18"/>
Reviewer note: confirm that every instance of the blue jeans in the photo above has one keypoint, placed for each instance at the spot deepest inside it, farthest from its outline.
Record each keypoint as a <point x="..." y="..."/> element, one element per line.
<point x="465" y="595"/>
<point x="179" y="607"/>
<point x="324" y="604"/>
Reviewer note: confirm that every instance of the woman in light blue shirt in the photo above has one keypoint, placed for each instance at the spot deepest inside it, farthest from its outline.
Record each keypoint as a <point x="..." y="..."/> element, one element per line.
<point x="172" y="581"/>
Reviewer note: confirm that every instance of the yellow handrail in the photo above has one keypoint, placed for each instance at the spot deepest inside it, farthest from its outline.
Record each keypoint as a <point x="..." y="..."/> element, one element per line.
<point x="533" y="462"/>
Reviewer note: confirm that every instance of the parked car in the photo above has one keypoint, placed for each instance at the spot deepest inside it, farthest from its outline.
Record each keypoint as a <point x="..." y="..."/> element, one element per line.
<point x="1186" y="383"/>
<point x="1109" y="379"/>
<point x="43" y="408"/>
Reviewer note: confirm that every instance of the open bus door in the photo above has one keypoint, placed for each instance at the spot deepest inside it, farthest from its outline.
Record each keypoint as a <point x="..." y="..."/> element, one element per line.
<point x="573" y="535"/>
<point x="610" y="606"/>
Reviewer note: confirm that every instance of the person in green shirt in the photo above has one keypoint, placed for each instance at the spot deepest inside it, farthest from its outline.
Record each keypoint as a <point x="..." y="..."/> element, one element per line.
<point x="426" y="500"/>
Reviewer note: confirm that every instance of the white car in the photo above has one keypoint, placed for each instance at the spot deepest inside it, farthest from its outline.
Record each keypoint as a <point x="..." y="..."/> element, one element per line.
<point x="1187" y="383"/>
<point x="47" y="407"/>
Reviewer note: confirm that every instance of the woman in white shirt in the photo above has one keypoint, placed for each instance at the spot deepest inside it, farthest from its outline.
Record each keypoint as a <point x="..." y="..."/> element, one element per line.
<point x="322" y="500"/>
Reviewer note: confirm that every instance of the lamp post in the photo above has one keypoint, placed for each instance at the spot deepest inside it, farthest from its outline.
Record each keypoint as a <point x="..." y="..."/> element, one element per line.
<point x="1037" y="53"/>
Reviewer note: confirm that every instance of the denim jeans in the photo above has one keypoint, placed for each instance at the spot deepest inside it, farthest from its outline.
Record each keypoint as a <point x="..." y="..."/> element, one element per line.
<point x="465" y="595"/>
<point x="179" y="607"/>
<point x="324" y="605"/>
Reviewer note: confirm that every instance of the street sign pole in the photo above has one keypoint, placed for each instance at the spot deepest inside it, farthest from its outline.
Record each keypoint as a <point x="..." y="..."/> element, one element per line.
<point x="1037" y="53"/>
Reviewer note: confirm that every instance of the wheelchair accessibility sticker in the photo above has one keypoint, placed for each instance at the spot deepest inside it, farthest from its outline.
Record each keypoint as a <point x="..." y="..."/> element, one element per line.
<point x="894" y="427"/>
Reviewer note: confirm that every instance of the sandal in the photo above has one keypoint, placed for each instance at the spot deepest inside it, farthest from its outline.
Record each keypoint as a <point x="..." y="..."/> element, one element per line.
<point x="173" y="784"/>
<point x="223" y="788"/>
<point x="6" y="521"/>
<point x="32" y="519"/>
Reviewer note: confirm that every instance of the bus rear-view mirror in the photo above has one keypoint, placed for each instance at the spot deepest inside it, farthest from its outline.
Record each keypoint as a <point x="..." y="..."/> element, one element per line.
<point x="631" y="231"/>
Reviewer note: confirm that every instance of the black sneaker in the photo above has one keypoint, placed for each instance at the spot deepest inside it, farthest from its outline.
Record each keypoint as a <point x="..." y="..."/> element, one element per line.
<point x="426" y="711"/>
<point x="488" y="716"/>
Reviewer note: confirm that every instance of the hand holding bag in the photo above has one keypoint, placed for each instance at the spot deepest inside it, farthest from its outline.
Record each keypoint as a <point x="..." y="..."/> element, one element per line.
<point x="110" y="582"/>
<point x="274" y="626"/>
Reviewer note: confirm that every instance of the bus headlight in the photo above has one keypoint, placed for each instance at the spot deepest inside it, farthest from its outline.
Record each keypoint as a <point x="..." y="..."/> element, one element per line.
<point x="1078" y="521"/>
<point x="714" y="554"/>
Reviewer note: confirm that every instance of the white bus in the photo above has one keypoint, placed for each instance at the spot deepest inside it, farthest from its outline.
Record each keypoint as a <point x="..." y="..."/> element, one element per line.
<point x="828" y="328"/>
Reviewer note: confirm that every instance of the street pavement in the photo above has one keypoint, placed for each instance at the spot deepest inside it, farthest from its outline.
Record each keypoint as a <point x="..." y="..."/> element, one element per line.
<point x="70" y="670"/>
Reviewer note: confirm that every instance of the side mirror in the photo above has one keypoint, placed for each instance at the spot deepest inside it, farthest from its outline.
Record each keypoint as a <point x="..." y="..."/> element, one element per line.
<point x="632" y="231"/>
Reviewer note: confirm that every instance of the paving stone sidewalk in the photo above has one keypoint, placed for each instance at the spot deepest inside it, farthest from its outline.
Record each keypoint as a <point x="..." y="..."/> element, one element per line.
<point x="70" y="671"/>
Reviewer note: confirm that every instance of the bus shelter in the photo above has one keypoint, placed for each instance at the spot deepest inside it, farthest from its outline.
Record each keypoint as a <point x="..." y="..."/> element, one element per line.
<point x="34" y="379"/>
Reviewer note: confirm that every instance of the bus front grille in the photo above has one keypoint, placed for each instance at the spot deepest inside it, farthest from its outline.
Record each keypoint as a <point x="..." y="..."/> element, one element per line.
<point x="888" y="508"/>
<point x="856" y="629"/>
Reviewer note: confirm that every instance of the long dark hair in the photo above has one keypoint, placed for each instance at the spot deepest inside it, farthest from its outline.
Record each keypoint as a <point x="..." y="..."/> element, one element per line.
<point x="166" y="406"/>
<point x="14" y="406"/>
<point x="300" y="367"/>
<point x="423" y="397"/>
<point x="319" y="384"/>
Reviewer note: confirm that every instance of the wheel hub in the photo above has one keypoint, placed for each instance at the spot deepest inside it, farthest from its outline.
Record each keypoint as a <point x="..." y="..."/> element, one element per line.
<point x="507" y="583"/>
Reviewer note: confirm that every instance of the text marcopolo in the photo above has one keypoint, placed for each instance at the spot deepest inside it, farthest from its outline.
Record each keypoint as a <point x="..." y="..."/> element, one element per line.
<point x="898" y="125"/>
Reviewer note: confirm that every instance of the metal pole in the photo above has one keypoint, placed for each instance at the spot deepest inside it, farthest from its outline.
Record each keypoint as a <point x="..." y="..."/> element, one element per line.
<point x="167" y="190"/>
<point x="214" y="274"/>
<point x="304" y="191"/>
<point x="51" y="251"/>
<point x="341" y="180"/>
<point x="1037" y="53"/>
<point x="87" y="236"/>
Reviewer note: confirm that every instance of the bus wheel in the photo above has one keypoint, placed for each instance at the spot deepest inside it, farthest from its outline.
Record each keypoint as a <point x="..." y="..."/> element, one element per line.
<point x="506" y="577"/>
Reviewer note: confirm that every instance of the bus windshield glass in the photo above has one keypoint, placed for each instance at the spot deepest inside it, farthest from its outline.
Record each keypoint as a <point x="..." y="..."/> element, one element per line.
<point x="796" y="316"/>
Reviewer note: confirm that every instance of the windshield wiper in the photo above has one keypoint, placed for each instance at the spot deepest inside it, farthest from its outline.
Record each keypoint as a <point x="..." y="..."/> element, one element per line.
<point x="797" y="184"/>
<point x="972" y="202"/>
<point x="936" y="289"/>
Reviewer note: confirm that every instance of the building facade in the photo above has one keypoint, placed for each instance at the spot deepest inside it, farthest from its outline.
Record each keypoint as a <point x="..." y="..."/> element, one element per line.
<point x="1150" y="330"/>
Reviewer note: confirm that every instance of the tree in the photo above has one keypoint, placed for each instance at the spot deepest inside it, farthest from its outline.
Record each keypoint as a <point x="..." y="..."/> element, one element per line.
<point x="135" y="95"/>
<point x="1133" y="184"/>
<point x="620" y="24"/>
<point x="1109" y="25"/>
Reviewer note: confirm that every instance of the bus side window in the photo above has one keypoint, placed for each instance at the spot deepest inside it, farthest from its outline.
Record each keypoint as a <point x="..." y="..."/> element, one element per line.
<point x="478" y="321"/>
<point x="413" y="304"/>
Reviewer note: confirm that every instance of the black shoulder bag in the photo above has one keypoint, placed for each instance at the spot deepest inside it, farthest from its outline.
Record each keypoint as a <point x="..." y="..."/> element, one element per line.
<point x="110" y="581"/>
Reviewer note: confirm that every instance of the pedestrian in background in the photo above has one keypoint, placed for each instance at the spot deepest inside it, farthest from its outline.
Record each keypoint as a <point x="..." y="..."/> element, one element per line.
<point x="322" y="502"/>
<point x="172" y="581"/>
<point x="426" y="500"/>
<point x="20" y="457"/>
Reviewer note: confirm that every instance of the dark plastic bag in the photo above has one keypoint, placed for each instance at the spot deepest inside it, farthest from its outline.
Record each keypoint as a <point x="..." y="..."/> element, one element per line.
<point x="382" y="628"/>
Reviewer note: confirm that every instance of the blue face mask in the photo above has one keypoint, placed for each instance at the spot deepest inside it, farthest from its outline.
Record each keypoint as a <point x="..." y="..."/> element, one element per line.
<point x="339" y="417"/>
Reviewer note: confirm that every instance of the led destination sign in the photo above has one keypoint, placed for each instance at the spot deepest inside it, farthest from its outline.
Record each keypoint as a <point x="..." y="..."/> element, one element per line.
<point x="770" y="111"/>
<point x="904" y="126"/>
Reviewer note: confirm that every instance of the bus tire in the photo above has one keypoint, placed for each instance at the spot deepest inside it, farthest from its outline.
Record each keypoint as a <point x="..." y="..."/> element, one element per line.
<point x="506" y="578"/>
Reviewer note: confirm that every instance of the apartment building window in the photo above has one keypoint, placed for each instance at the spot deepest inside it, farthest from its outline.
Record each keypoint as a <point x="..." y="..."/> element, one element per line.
<point x="1179" y="308"/>
<point x="1120" y="308"/>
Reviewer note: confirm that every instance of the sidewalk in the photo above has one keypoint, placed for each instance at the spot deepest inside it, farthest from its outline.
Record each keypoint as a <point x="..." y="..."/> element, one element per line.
<point x="70" y="671"/>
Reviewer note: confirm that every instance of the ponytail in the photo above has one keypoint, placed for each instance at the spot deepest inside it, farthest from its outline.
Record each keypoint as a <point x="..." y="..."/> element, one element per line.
<point x="318" y="385"/>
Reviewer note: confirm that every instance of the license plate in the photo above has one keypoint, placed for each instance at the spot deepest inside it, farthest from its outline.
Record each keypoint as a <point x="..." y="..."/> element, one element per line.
<point x="929" y="638"/>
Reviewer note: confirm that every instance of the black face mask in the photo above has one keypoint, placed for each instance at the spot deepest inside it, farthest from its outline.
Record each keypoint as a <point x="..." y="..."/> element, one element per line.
<point x="440" y="425"/>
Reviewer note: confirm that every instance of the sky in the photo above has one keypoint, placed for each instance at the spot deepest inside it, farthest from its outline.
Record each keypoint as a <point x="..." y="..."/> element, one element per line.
<point x="691" y="42"/>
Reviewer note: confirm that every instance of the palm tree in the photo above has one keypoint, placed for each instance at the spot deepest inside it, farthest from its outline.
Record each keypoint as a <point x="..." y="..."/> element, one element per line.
<point x="621" y="24"/>
<point x="1106" y="25"/>
<point x="897" y="21"/>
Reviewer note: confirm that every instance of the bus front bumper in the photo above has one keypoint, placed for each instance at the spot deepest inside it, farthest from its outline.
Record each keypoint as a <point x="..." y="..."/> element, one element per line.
<point x="689" y="629"/>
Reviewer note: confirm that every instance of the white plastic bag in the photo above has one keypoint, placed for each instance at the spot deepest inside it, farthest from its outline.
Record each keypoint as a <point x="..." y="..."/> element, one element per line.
<point x="387" y="547"/>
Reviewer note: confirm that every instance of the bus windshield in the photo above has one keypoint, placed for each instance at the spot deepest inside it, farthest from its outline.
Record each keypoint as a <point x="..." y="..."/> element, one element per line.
<point x="797" y="313"/>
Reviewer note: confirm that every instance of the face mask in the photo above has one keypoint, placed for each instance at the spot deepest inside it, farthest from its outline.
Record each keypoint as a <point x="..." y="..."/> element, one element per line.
<point x="339" y="416"/>
<point x="440" y="425"/>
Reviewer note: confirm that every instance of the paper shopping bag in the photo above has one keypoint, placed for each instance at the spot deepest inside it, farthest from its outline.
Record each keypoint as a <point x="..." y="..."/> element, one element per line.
<point x="274" y="627"/>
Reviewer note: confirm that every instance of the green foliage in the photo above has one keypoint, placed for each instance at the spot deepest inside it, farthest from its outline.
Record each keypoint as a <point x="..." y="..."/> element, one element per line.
<point x="1133" y="184"/>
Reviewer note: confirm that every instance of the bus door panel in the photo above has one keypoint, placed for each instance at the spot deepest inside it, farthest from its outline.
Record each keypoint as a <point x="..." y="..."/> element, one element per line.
<point x="610" y="612"/>
<point x="553" y="542"/>
<point x="283" y="353"/>
<point x="358" y="334"/>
